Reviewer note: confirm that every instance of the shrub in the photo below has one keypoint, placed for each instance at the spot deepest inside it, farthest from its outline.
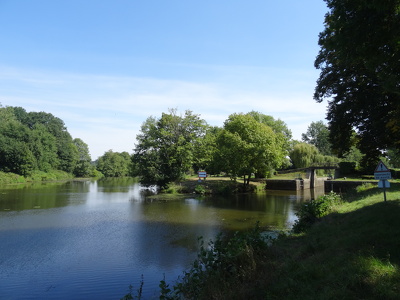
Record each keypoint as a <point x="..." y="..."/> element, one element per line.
<point x="364" y="187"/>
<point x="172" y="188"/>
<point x="311" y="211"/>
<point x="224" y="263"/>
<point x="200" y="189"/>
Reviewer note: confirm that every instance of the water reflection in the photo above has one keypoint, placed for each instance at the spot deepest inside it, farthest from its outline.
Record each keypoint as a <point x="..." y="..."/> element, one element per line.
<point x="41" y="195"/>
<point x="91" y="239"/>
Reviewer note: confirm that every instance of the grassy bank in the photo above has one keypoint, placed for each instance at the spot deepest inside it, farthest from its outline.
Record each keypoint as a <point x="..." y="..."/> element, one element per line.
<point x="353" y="252"/>
<point x="212" y="185"/>
<point x="11" y="178"/>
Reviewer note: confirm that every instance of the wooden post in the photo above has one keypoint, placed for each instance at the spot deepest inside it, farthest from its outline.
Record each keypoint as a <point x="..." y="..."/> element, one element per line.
<point x="384" y="189"/>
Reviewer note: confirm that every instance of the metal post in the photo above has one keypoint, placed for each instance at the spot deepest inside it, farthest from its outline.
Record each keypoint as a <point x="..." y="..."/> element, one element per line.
<point x="384" y="189"/>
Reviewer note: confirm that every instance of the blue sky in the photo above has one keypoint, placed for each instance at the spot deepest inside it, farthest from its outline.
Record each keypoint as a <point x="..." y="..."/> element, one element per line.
<point x="103" y="67"/>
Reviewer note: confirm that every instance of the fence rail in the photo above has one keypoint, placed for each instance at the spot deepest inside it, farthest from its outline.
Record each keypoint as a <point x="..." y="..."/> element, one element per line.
<point x="313" y="167"/>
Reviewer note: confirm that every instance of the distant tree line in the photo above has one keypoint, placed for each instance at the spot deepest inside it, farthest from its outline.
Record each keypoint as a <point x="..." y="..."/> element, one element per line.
<point x="170" y="147"/>
<point x="32" y="141"/>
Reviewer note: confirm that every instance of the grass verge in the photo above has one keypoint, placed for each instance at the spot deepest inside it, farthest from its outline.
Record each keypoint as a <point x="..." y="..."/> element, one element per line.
<point x="352" y="253"/>
<point x="36" y="176"/>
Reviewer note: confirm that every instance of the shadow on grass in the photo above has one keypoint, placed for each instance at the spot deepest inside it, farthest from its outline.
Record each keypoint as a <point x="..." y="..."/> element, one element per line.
<point x="353" y="255"/>
<point x="368" y="190"/>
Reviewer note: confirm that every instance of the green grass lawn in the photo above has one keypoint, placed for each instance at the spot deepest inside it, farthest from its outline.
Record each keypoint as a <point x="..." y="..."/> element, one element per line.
<point x="353" y="253"/>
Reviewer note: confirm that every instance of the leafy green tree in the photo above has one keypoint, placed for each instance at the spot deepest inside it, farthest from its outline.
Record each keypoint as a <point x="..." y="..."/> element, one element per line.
<point x="318" y="135"/>
<point x="360" y="66"/>
<point x="114" y="164"/>
<point x="394" y="157"/>
<point x="66" y="151"/>
<point x="44" y="148"/>
<point x="204" y="152"/>
<point x="303" y="155"/>
<point x="247" y="146"/>
<point x="278" y="126"/>
<point x="83" y="167"/>
<point x="165" y="148"/>
<point x="34" y="141"/>
<point x="15" y="156"/>
<point x="7" y="114"/>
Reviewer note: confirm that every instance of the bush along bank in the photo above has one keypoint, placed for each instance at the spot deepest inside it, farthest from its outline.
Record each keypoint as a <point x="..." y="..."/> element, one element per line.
<point x="211" y="187"/>
<point x="36" y="176"/>
<point x="339" y="249"/>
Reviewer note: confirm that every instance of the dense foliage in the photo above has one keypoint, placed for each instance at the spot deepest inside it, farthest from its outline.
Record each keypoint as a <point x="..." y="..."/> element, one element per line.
<point x="115" y="164"/>
<point x="246" y="146"/>
<point x="227" y="262"/>
<point x="360" y="66"/>
<point x="312" y="211"/>
<point x="39" y="141"/>
<point x="304" y="155"/>
<point x="166" y="147"/>
<point x="318" y="135"/>
<point x="172" y="146"/>
<point x="278" y="126"/>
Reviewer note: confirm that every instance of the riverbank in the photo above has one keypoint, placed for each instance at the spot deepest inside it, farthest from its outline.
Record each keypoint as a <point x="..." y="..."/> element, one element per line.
<point x="352" y="253"/>
<point x="213" y="186"/>
<point x="36" y="176"/>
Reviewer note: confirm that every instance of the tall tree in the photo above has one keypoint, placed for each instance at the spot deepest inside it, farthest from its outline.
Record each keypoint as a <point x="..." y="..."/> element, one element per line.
<point x="44" y="148"/>
<point x="360" y="66"/>
<point x="35" y="141"/>
<point x="394" y="157"/>
<point x="304" y="155"/>
<point x="15" y="138"/>
<point x="318" y="135"/>
<point x="280" y="128"/>
<point x="165" y="148"/>
<point x="83" y="164"/>
<point x="204" y="152"/>
<point x="114" y="164"/>
<point x="247" y="146"/>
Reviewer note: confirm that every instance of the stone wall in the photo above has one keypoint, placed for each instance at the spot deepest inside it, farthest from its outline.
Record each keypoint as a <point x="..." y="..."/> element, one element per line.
<point x="302" y="184"/>
<point x="293" y="185"/>
<point x="277" y="184"/>
<point x="343" y="185"/>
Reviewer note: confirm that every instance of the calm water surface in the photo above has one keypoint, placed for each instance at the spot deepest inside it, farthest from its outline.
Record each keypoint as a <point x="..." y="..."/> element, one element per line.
<point x="91" y="240"/>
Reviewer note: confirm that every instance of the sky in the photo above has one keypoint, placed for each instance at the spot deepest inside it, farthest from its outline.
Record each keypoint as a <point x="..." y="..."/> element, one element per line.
<point x="105" y="66"/>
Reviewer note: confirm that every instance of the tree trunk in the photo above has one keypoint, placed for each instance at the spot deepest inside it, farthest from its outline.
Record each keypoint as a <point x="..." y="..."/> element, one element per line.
<point x="246" y="182"/>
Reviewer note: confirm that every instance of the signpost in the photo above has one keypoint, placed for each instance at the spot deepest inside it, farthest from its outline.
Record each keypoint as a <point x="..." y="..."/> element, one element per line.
<point x="202" y="174"/>
<point x="382" y="173"/>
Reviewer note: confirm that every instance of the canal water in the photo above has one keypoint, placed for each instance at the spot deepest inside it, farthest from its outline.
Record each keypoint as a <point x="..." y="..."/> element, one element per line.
<point x="92" y="239"/>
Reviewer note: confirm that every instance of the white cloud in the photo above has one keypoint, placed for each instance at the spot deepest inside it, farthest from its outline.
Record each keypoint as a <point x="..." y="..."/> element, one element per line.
<point x="106" y="111"/>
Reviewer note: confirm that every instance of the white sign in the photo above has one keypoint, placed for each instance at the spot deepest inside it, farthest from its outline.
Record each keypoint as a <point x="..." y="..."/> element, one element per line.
<point x="383" y="175"/>
<point x="202" y="174"/>
<point x="382" y="172"/>
<point x="384" y="184"/>
<point x="381" y="167"/>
